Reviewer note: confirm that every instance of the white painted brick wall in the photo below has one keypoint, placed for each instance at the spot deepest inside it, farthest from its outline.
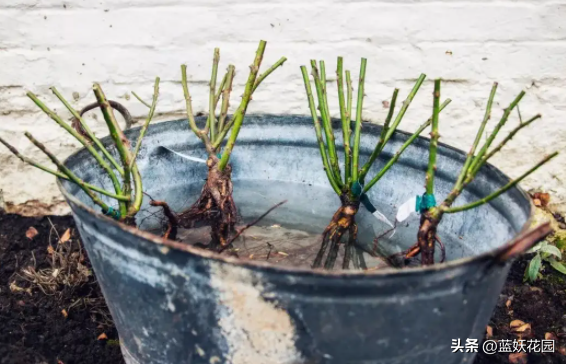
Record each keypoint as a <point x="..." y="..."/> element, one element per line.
<point x="124" y="44"/>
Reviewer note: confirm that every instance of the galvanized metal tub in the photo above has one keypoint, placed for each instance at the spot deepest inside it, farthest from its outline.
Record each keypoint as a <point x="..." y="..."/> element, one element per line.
<point x="173" y="303"/>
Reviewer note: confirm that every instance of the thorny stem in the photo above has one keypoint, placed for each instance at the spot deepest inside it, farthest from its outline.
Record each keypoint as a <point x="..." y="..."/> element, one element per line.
<point x="88" y="131"/>
<point x="409" y="141"/>
<point x="508" y="138"/>
<point x="262" y="77"/>
<point x="212" y="98"/>
<point x="219" y="92"/>
<point x="345" y="120"/>
<point x="59" y="174"/>
<point x="434" y="136"/>
<point x="122" y="145"/>
<point x="380" y="143"/>
<point x="349" y="96"/>
<point x="459" y="182"/>
<point x="325" y="99"/>
<point x="226" y="97"/>
<point x="241" y="112"/>
<point x="258" y="81"/>
<point x="84" y="142"/>
<point x="391" y="129"/>
<point x="358" y="128"/>
<point x="201" y="134"/>
<point x="502" y="190"/>
<point x="147" y="121"/>
<point x="476" y="162"/>
<point x="326" y="123"/>
<point x="404" y="108"/>
<point x="68" y="172"/>
<point x="318" y="130"/>
<point x="141" y="100"/>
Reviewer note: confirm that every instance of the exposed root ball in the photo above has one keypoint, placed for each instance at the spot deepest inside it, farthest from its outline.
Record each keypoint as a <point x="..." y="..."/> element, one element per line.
<point x="343" y="221"/>
<point x="214" y="206"/>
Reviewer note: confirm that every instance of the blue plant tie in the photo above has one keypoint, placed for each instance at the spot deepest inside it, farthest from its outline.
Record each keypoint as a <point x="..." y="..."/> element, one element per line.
<point x="364" y="199"/>
<point x="425" y="202"/>
<point x="115" y="214"/>
<point x="357" y="188"/>
<point x="219" y="155"/>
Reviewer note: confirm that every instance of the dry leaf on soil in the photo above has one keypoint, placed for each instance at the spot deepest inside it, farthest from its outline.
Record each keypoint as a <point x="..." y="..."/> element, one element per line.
<point x="66" y="236"/>
<point x="31" y="232"/>
<point x="102" y="337"/>
<point x="523" y="328"/>
<point x="543" y="199"/>
<point x="516" y="323"/>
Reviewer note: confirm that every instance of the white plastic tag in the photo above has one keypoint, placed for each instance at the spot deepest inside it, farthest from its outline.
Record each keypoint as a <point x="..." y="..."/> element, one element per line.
<point x="406" y="209"/>
<point x="194" y="159"/>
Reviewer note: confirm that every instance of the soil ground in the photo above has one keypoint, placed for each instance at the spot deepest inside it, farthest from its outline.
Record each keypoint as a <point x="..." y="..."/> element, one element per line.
<point x="36" y="330"/>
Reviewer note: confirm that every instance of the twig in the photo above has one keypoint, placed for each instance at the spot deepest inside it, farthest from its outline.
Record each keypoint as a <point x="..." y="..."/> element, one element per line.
<point x="327" y="125"/>
<point x="68" y="172"/>
<point x="469" y="159"/>
<point x="434" y="136"/>
<point x="381" y="142"/>
<point x="83" y="141"/>
<point x="147" y="121"/>
<point x="240" y="231"/>
<point x="238" y="118"/>
<point x="239" y="110"/>
<point x="140" y="100"/>
<point x="358" y="128"/>
<point x="405" y="145"/>
<point x="318" y="131"/>
<point x="227" y="89"/>
<point x="201" y="134"/>
<point x="349" y="97"/>
<point x="476" y="162"/>
<point x="269" y="252"/>
<point x="88" y="131"/>
<point x="268" y="72"/>
<point x="219" y="92"/>
<point x="122" y="145"/>
<point x="345" y="120"/>
<point x="59" y="174"/>
<point x="502" y="190"/>
<point x="212" y="98"/>
<point x="509" y="137"/>
<point x="393" y="127"/>
<point x="405" y="106"/>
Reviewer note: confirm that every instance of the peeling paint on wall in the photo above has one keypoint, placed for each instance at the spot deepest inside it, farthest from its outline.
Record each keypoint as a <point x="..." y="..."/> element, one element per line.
<point x="257" y="332"/>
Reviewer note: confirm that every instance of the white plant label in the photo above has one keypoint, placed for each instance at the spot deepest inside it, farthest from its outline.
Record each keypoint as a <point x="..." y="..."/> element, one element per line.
<point x="406" y="209"/>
